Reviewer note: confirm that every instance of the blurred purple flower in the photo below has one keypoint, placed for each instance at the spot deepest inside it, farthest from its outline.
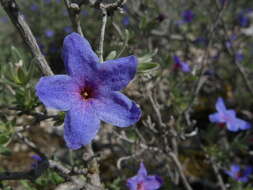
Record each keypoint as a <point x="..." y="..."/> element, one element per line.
<point x="37" y="159"/>
<point x="90" y="91"/>
<point x="34" y="7"/>
<point x="243" y="20"/>
<point x="178" y="64"/>
<point x="229" y="43"/>
<point x="228" y="117"/>
<point x="58" y="1"/>
<point x="125" y="20"/>
<point x="49" y="33"/>
<point x="4" y="19"/>
<point x="188" y="16"/>
<point x="239" y="57"/>
<point x="238" y="174"/>
<point x="223" y="2"/>
<point x="201" y="41"/>
<point x="143" y="181"/>
<point x="47" y="1"/>
<point x="84" y="13"/>
<point x="68" y="29"/>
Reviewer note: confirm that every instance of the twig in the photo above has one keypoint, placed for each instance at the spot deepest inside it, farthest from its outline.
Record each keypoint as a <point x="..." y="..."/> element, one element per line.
<point x="180" y="169"/>
<point x="217" y="174"/>
<point x="74" y="15"/>
<point x="12" y="9"/>
<point x="102" y="35"/>
<point x="93" y="167"/>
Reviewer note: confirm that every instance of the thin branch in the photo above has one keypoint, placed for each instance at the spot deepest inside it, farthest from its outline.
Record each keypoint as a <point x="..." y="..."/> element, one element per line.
<point x="93" y="167"/>
<point x="74" y="15"/>
<point x="217" y="174"/>
<point x="180" y="169"/>
<point x="12" y="9"/>
<point x="102" y="35"/>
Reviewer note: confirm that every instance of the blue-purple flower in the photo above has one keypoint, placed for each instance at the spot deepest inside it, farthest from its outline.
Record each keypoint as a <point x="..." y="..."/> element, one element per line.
<point x="228" y="117"/>
<point x="34" y="7"/>
<point x="90" y="91"/>
<point x="143" y="181"/>
<point x="238" y="174"/>
<point x="68" y="29"/>
<point x="239" y="57"/>
<point x="178" y="64"/>
<point x="37" y="159"/>
<point x="188" y="16"/>
<point x="243" y="18"/>
<point x="125" y="20"/>
<point x="49" y="33"/>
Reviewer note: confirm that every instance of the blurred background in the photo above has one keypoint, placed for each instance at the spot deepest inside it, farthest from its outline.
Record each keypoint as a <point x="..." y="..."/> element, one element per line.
<point x="189" y="52"/>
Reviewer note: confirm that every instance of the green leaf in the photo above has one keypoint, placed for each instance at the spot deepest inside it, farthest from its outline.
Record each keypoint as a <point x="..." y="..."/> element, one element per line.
<point x="4" y="138"/>
<point x="147" y="67"/>
<point x="5" y="151"/>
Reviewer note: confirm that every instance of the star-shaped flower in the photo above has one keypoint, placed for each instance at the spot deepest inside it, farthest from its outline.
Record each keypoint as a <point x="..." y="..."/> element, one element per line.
<point x="144" y="182"/>
<point x="239" y="174"/>
<point x="90" y="91"/>
<point x="228" y="117"/>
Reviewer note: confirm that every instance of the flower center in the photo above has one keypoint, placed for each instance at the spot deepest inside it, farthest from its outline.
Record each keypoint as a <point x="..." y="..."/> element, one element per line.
<point x="140" y="186"/>
<point x="239" y="175"/>
<point x="86" y="93"/>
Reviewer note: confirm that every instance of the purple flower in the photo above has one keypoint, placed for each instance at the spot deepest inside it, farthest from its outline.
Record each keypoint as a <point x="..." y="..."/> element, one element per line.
<point x="47" y="1"/>
<point x="239" y="56"/>
<point x="229" y="43"/>
<point x="49" y="33"/>
<point x="228" y="117"/>
<point x="68" y="29"/>
<point x="125" y="20"/>
<point x="201" y="41"/>
<point x="187" y="16"/>
<point x="37" y="159"/>
<point x="243" y="18"/>
<point x="84" y="13"/>
<point x="144" y="182"/>
<point x="239" y="174"/>
<point x="90" y="91"/>
<point x="34" y="7"/>
<point x="4" y="19"/>
<point x="223" y="2"/>
<point x="180" y="64"/>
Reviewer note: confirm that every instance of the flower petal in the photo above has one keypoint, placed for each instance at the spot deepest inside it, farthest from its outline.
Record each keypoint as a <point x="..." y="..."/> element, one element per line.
<point x="248" y="171"/>
<point x="232" y="125"/>
<point x="220" y="106"/>
<point x="243" y="125"/>
<point x="79" y="58"/>
<point x="152" y="183"/>
<point x="80" y="126"/>
<point x="215" y="118"/>
<point x="243" y="179"/>
<point x="116" y="74"/>
<point x="185" y="67"/>
<point x="58" y="91"/>
<point x="142" y="171"/>
<point x="235" y="168"/>
<point x="117" y="109"/>
<point x="132" y="182"/>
